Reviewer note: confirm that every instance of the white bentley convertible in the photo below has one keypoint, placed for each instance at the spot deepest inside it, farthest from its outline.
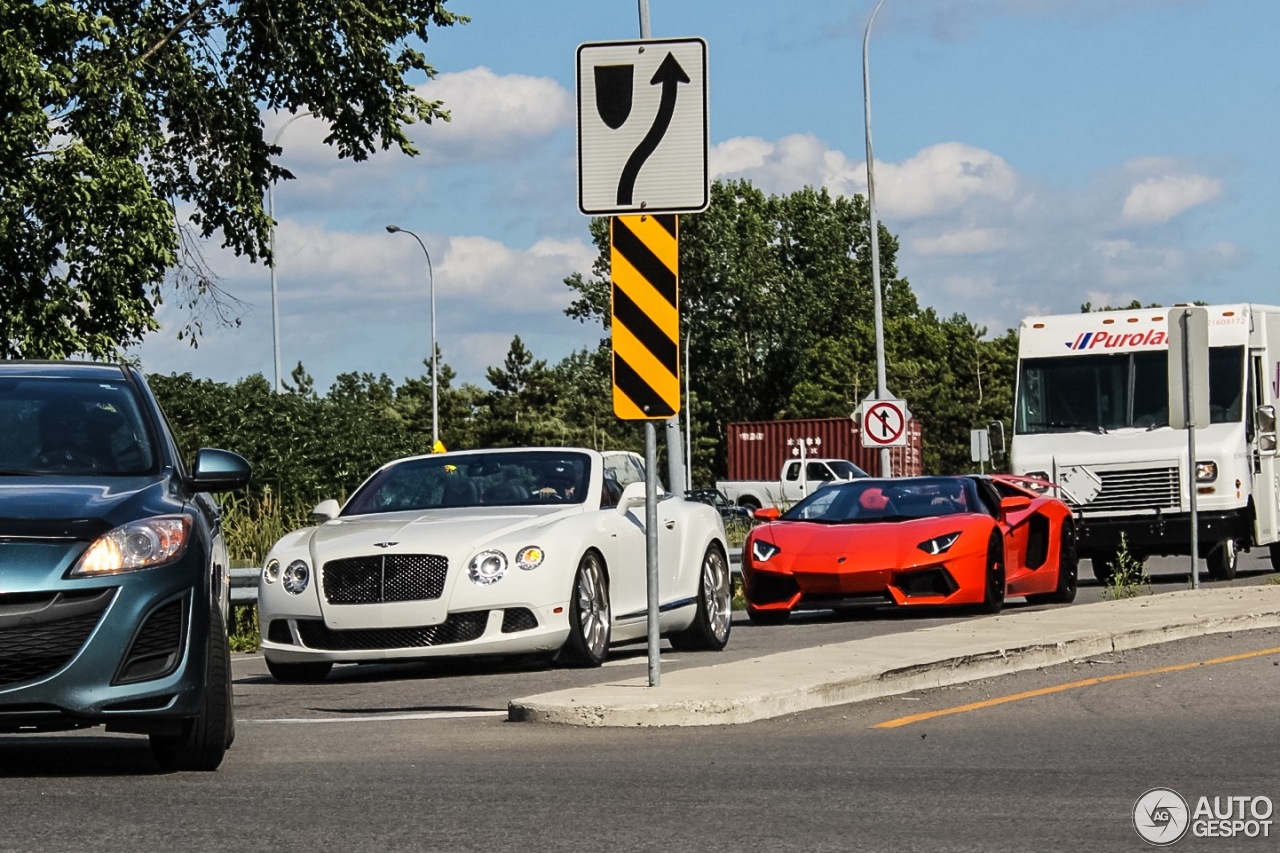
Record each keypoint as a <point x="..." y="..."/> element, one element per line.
<point x="491" y="552"/>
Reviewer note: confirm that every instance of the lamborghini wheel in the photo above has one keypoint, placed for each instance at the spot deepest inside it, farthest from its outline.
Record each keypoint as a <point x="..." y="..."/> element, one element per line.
<point x="993" y="582"/>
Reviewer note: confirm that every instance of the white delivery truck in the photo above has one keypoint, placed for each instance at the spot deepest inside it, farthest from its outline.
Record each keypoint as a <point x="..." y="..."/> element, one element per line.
<point x="1091" y="415"/>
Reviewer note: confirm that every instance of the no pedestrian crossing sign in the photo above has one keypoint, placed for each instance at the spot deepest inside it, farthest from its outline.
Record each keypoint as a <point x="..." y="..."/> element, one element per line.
<point x="642" y="127"/>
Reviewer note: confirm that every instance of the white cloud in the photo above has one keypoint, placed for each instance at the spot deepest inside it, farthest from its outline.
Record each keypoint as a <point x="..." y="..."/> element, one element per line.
<point x="1157" y="200"/>
<point x="968" y="241"/>
<point x="492" y="114"/>
<point x="942" y="178"/>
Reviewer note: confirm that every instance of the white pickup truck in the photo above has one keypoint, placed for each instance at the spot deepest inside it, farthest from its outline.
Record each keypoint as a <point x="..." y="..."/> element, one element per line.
<point x="790" y="487"/>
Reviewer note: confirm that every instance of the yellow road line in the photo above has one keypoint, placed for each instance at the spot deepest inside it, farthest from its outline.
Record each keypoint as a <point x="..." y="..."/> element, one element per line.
<point x="1059" y="688"/>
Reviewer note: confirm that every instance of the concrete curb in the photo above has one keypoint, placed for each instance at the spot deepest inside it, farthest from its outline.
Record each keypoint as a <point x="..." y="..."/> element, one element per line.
<point x="788" y="682"/>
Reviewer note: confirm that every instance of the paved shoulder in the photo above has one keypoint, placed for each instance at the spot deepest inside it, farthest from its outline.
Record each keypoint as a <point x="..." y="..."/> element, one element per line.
<point x="773" y="685"/>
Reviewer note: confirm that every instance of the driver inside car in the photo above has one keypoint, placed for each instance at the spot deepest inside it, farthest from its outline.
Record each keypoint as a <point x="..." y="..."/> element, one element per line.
<point x="64" y="436"/>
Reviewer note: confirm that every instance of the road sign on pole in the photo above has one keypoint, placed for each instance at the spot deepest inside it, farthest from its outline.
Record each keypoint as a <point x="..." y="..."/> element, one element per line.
<point x="644" y="258"/>
<point x="642" y="127"/>
<point x="884" y="423"/>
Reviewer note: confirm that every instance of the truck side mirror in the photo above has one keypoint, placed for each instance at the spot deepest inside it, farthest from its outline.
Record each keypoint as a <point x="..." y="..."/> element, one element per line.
<point x="1266" y="417"/>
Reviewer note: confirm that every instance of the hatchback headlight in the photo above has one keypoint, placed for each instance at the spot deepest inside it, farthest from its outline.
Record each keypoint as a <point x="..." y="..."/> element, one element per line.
<point x="137" y="545"/>
<point x="487" y="567"/>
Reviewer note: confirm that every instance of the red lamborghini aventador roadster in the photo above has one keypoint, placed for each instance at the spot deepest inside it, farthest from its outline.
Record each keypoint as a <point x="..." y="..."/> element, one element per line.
<point x="911" y="541"/>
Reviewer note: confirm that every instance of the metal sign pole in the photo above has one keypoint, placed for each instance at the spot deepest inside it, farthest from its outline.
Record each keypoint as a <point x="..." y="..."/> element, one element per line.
<point x="651" y="546"/>
<point x="1189" y="412"/>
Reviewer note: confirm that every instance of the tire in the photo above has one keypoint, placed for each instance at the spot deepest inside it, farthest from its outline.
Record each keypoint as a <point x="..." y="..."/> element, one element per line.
<point x="1274" y="549"/>
<point x="1104" y="568"/>
<point x="750" y="505"/>
<point x="1068" y="570"/>
<point x="590" y="617"/>
<point x="993" y="582"/>
<point x="767" y="617"/>
<point x="203" y="740"/>
<point x="1223" y="560"/>
<point x="709" y="631"/>
<point x="299" y="673"/>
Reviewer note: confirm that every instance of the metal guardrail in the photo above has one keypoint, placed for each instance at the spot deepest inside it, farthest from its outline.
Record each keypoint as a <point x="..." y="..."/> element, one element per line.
<point x="244" y="581"/>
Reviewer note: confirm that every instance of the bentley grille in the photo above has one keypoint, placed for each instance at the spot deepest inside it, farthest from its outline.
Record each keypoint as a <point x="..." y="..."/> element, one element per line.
<point x="458" y="628"/>
<point x="384" y="578"/>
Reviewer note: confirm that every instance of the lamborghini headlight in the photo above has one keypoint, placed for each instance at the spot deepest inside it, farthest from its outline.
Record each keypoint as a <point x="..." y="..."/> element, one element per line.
<point x="137" y="545"/>
<point x="762" y="551"/>
<point x="487" y="567"/>
<point x="939" y="544"/>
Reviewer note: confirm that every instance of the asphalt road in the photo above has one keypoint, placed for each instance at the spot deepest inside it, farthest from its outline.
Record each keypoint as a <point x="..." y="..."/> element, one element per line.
<point x="1055" y="771"/>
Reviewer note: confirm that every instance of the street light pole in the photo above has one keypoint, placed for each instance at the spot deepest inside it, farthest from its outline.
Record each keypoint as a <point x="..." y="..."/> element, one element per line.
<point x="882" y="389"/>
<point x="275" y="297"/>
<point x="431" y="286"/>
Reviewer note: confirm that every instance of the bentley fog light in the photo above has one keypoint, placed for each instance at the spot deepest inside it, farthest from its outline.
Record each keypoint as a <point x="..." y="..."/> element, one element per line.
<point x="529" y="558"/>
<point x="296" y="577"/>
<point x="487" y="567"/>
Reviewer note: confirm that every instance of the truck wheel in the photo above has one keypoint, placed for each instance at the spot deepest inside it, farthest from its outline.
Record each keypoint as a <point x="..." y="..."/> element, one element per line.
<point x="1274" y="547"/>
<point x="1223" y="560"/>
<point x="749" y="504"/>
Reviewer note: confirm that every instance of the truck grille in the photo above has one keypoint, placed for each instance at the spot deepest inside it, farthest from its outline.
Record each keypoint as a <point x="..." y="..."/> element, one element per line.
<point x="1133" y="490"/>
<point x="384" y="577"/>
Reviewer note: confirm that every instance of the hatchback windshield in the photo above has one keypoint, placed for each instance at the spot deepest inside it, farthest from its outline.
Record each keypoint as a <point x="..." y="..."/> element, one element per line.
<point x="72" y="426"/>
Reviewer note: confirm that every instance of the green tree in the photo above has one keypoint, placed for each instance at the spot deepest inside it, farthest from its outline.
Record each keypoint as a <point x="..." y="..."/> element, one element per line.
<point x="116" y="112"/>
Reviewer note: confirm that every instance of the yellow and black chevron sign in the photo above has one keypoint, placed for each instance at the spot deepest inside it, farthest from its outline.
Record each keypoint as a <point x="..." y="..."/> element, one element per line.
<point x="646" y="316"/>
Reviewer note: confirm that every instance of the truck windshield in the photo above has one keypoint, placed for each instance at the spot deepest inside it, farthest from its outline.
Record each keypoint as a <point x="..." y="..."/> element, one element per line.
<point x="1098" y="393"/>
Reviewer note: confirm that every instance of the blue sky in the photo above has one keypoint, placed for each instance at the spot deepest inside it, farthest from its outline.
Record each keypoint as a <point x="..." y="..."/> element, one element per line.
<point x="1031" y="155"/>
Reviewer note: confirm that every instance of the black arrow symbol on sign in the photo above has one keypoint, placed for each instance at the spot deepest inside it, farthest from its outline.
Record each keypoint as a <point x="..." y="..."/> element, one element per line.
<point x="884" y="420"/>
<point x="670" y="75"/>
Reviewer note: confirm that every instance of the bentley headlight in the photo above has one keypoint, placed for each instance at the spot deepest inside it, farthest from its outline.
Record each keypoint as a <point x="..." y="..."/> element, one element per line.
<point x="295" y="578"/>
<point x="762" y="551"/>
<point x="939" y="544"/>
<point x="137" y="545"/>
<point x="487" y="567"/>
<point x="271" y="571"/>
<point x="529" y="558"/>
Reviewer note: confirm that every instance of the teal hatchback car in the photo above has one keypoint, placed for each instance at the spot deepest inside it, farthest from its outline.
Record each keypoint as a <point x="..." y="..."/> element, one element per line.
<point x="114" y="588"/>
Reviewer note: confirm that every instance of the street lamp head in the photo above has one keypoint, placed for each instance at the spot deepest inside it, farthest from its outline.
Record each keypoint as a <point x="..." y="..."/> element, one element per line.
<point x="391" y="229"/>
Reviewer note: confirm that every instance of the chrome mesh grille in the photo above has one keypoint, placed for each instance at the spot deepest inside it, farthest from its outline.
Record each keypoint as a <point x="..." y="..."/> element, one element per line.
<point x="1136" y="489"/>
<point x="384" y="578"/>
<point x="458" y="628"/>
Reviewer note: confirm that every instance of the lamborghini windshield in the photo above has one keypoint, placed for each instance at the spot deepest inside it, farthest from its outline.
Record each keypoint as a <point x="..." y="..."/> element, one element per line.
<point x="879" y="500"/>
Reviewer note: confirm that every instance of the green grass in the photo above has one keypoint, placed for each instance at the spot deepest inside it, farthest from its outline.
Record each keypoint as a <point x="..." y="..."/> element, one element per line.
<point x="1129" y="578"/>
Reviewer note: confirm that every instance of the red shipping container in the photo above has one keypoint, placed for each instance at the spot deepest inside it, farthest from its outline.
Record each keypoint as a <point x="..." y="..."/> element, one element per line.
<point x="757" y="449"/>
